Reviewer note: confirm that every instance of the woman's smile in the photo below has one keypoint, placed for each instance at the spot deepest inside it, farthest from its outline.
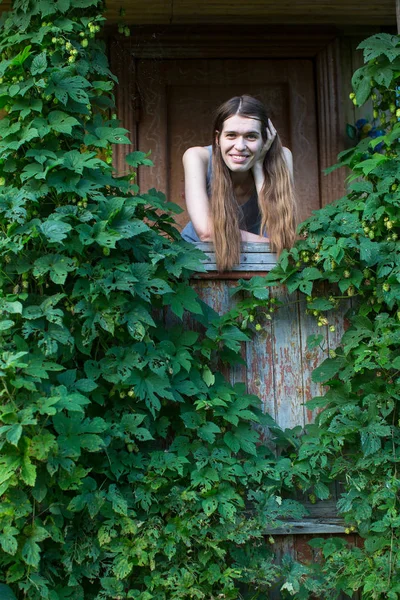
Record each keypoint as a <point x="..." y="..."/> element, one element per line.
<point x="239" y="158"/>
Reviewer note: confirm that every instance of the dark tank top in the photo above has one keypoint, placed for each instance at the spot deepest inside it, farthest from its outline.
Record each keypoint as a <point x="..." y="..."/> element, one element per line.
<point x="249" y="213"/>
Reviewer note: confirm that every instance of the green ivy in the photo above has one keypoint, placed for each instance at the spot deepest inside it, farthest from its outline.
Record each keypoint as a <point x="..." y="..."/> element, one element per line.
<point x="128" y="469"/>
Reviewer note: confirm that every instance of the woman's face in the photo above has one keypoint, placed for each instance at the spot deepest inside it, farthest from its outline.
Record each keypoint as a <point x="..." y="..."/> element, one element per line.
<point x="240" y="142"/>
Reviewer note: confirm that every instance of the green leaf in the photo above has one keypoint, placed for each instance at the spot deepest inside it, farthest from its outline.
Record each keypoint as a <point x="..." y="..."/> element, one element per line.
<point x="351" y="131"/>
<point x="208" y="376"/>
<point x="370" y="443"/>
<point x="31" y="553"/>
<point x="63" y="5"/>
<point x="6" y="593"/>
<point x="209" y="505"/>
<point x="135" y="159"/>
<point x="56" y="264"/>
<point x="86" y="385"/>
<point x="328" y="369"/>
<point x="320" y="304"/>
<point x="119" y="504"/>
<point x="14" y="433"/>
<point x="208" y="432"/>
<point x="22" y="56"/>
<point x="384" y="76"/>
<point x="11" y="307"/>
<point x="311" y="273"/>
<point x="28" y="471"/>
<point x="55" y="231"/>
<point x="9" y="544"/>
<point x="184" y="298"/>
<point x="368" y="166"/>
<point x="60" y="121"/>
<point x="78" y="95"/>
<point x="360" y="82"/>
<point x="76" y="161"/>
<point x="369" y="252"/>
<point x="39" y="63"/>
<point x="231" y="441"/>
<point x="314" y="340"/>
<point x="321" y="491"/>
<point x="381" y="43"/>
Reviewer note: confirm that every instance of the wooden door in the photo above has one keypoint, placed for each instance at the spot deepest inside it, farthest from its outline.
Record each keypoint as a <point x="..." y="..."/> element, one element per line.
<point x="177" y="101"/>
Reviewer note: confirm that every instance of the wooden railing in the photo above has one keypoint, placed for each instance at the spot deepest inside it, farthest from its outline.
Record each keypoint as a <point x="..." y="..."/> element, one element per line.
<point x="278" y="362"/>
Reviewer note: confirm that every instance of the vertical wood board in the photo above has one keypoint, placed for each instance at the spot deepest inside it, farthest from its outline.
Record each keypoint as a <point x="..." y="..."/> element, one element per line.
<point x="279" y="363"/>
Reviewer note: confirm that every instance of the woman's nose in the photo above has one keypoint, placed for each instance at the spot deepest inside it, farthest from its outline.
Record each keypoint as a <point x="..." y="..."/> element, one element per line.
<point x="240" y="143"/>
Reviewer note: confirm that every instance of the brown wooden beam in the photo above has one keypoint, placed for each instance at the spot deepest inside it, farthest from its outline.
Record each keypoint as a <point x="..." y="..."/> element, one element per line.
<point x="398" y="15"/>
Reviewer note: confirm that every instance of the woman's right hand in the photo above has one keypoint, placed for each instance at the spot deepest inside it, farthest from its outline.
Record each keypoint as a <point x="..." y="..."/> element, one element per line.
<point x="271" y="135"/>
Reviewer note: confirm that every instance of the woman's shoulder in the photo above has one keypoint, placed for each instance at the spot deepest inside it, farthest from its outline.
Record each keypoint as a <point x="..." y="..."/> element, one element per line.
<point x="288" y="158"/>
<point x="286" y="152"/>
<point x="197" y="153"/>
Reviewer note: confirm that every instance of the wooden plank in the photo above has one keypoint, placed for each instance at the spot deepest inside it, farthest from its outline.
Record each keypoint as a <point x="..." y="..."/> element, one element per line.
<point x="122" y="64"/>
<point x="228" y="275"/>
<point x="268" y="12"/>
<point x="246" y="259"/>
<point x="218" y="41"/>
<point x="310" y="359"/>
<point x="247" y="247"/>
<point x="259" y="356"/>
<point x="254" y="257"/>
<point x="288" y="379"/>
<point x="261" y="265"/>
<point x="310" y="526"/>
<point x="252" y="11"/>
<point x="330" y="125"/>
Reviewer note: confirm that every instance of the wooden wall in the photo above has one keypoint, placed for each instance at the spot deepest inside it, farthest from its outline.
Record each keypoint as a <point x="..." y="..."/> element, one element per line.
<point x="333" y="55"/>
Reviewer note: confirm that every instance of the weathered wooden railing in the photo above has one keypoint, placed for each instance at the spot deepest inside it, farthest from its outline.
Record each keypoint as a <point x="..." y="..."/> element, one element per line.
<point x="278" y="370"/>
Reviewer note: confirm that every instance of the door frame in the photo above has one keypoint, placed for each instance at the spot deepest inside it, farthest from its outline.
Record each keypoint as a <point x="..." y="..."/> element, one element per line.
<point x="322" y="45"/>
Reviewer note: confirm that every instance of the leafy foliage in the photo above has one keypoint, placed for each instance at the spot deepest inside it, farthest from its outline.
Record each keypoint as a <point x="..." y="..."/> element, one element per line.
<point x="127" y="468"/>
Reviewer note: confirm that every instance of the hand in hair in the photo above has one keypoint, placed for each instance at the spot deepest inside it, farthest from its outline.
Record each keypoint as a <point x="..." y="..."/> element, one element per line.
<point x="271" y="135"/>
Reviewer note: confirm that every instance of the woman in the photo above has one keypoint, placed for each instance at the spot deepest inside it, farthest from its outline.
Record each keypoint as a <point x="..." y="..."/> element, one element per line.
<point x="240" y="188"/>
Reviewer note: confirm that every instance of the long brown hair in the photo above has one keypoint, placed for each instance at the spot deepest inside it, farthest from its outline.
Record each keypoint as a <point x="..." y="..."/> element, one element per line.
<point x="276" y="201"/>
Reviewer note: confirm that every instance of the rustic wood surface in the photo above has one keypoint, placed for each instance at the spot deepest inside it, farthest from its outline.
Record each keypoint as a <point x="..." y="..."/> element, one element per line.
<point x="279" y="363"/>
<point x="331" y="127"/>
<point x="252" y="11"/>
<point x="278" y="370"/>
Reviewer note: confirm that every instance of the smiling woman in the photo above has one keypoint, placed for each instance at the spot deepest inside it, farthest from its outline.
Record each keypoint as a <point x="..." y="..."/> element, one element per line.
<point x="240" y="188"/>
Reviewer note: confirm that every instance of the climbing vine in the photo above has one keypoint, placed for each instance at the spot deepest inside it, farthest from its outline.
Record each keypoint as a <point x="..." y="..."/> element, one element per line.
<point x="128" y="468"/>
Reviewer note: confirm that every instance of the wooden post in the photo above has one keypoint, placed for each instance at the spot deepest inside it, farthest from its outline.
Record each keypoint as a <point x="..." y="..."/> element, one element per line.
<point x="398" y="15"/>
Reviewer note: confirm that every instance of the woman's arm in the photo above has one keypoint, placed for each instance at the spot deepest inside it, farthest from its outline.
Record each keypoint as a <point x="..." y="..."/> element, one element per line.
<point x="195" y="165"/>
<point x="247" y="236"/>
